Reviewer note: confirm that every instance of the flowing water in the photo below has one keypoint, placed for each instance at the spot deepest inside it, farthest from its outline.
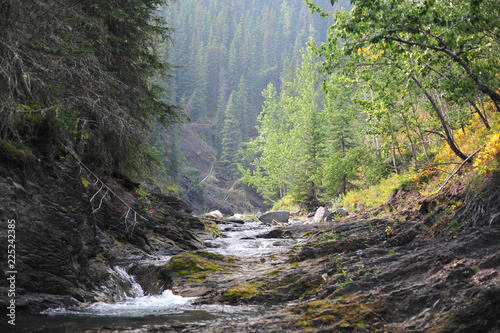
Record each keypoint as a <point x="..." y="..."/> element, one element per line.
<point x="134" y="309"/>
<point x="243" y="240"/>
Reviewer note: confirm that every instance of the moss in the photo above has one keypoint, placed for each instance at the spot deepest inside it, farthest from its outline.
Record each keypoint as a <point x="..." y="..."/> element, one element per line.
<point x="197" y="278"/>
<point x="288" y="280"/>
<point x="275" y="272"/>
<point x="442" y="323"/>
<point x="242" y="291"/>
<point x="214" y="257"/>
<point x="17" y="151"/>
<point x="349" y="311"/>
<point x="186" y="264"/>
<point x="210" y="256"/>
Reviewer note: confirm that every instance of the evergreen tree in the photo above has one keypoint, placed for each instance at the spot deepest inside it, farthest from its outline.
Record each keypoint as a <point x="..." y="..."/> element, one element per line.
<point x="290" y="139"/>
<point x="79" y="74"/>
<point x="231" y="140"/>
<point x="343" y="146"/>
<point x="200" y="80"/>
<point x="224" y="92"/>
<point x="242" y="108"/>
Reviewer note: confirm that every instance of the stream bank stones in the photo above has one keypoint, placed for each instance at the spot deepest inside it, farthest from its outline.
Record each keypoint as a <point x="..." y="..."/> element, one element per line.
<point x="278" y="216"/>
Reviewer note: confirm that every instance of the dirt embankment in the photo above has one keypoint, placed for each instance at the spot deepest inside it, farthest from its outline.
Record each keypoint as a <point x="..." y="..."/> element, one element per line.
<point x="205" y="187"/>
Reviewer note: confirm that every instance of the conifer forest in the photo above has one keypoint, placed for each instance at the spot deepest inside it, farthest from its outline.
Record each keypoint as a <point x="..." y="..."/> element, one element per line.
<point x="250" y="166"/>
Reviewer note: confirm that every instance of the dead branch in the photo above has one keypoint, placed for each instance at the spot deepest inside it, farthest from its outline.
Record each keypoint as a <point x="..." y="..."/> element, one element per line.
<point x="129" y="228"/>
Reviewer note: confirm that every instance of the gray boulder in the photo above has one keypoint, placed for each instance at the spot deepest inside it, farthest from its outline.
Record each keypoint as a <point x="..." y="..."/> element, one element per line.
<point x="278" y="216"/>
<point x="235" y="219"/>
<point x="321" y="215"/>
<point x="341" y="212"/>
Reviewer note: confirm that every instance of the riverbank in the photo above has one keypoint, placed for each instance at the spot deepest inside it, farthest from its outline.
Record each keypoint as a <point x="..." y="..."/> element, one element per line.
<point x="410" y="272"/>
<point x="376" y="275"/>
<point x="431" y="267"/>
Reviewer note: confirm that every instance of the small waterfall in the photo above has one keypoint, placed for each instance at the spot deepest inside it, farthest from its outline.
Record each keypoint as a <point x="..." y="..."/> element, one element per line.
<point x="127" y="282"/>
<point x="124" y="302"/>
<point x="131" y="301"/>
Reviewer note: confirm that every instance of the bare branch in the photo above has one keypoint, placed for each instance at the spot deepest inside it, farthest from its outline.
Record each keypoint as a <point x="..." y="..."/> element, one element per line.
<point x="128" y="229"/>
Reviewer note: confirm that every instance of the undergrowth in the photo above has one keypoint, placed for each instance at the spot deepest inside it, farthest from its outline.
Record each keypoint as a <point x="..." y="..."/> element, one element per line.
<point x="444" y="167"/>
<point x="286" y="203"/>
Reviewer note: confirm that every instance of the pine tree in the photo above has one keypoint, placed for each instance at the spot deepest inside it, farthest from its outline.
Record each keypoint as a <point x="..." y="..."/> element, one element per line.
<point x="242" y="106"/>
<point x="231" y="140"/>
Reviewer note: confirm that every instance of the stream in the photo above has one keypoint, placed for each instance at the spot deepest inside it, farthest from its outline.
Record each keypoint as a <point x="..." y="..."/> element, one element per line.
<point x="135" y="309"/>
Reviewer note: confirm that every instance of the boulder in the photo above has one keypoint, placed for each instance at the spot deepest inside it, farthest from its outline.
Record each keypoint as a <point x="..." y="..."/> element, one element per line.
<point x="235" y="219"/>
<point x="321" y="215"/>
<point x="341" y="212"/>
<point x="214" y="215"/>
<point x="278" y="216"/>
<point x="276" y="233"/>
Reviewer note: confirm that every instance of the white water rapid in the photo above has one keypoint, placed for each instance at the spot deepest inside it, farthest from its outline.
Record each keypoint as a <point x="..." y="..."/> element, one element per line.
<point x="135" y="309"/>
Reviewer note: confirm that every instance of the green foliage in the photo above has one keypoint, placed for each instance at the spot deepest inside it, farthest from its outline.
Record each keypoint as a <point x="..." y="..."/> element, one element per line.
<point x="143" y="197"/>
<point x="85" y="72"/>
<point x="308" y="145"/>
<point x="192" y="175"/>
<point x="371" y="196"/>
<point x="401" y="48"/>
<point x="231" y="139"/>
<point x="329" y="236"/>
<point x="289" y="141"/>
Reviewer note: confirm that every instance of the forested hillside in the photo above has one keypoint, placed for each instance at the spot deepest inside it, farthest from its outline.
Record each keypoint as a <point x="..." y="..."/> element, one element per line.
<point x="402" y="95"/>
<point x="227" y="52"/>
<point x="382" y="118"/>
<point x="78" y="77"/>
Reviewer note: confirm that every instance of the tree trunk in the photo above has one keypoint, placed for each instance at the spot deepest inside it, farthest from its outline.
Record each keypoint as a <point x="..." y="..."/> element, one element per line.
<point x="481" y="115"/>
<point x="394" y="159"/>
<point x="494" y="95"/>
<point x="413" y="153"/>
<point x="447" y="134"/>
<point x="482" y="107"/>
<point x="419" y="131"/>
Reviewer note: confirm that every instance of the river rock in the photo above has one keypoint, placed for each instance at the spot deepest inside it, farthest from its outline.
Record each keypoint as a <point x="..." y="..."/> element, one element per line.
<point x="341" y="212"/>
<point x="321" y="215"/>
<point x="214" y="215"/>
<point x="276" y="233"/>
<point x="278" y="216"/>
<point x="234" y="219"/>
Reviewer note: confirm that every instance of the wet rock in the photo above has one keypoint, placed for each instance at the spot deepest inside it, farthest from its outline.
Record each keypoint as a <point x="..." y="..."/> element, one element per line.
<point x="67" y="243"/>
<point x="278" y="216"/>
<point x="392" y="275"/>
<point x="276" y="233"/>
